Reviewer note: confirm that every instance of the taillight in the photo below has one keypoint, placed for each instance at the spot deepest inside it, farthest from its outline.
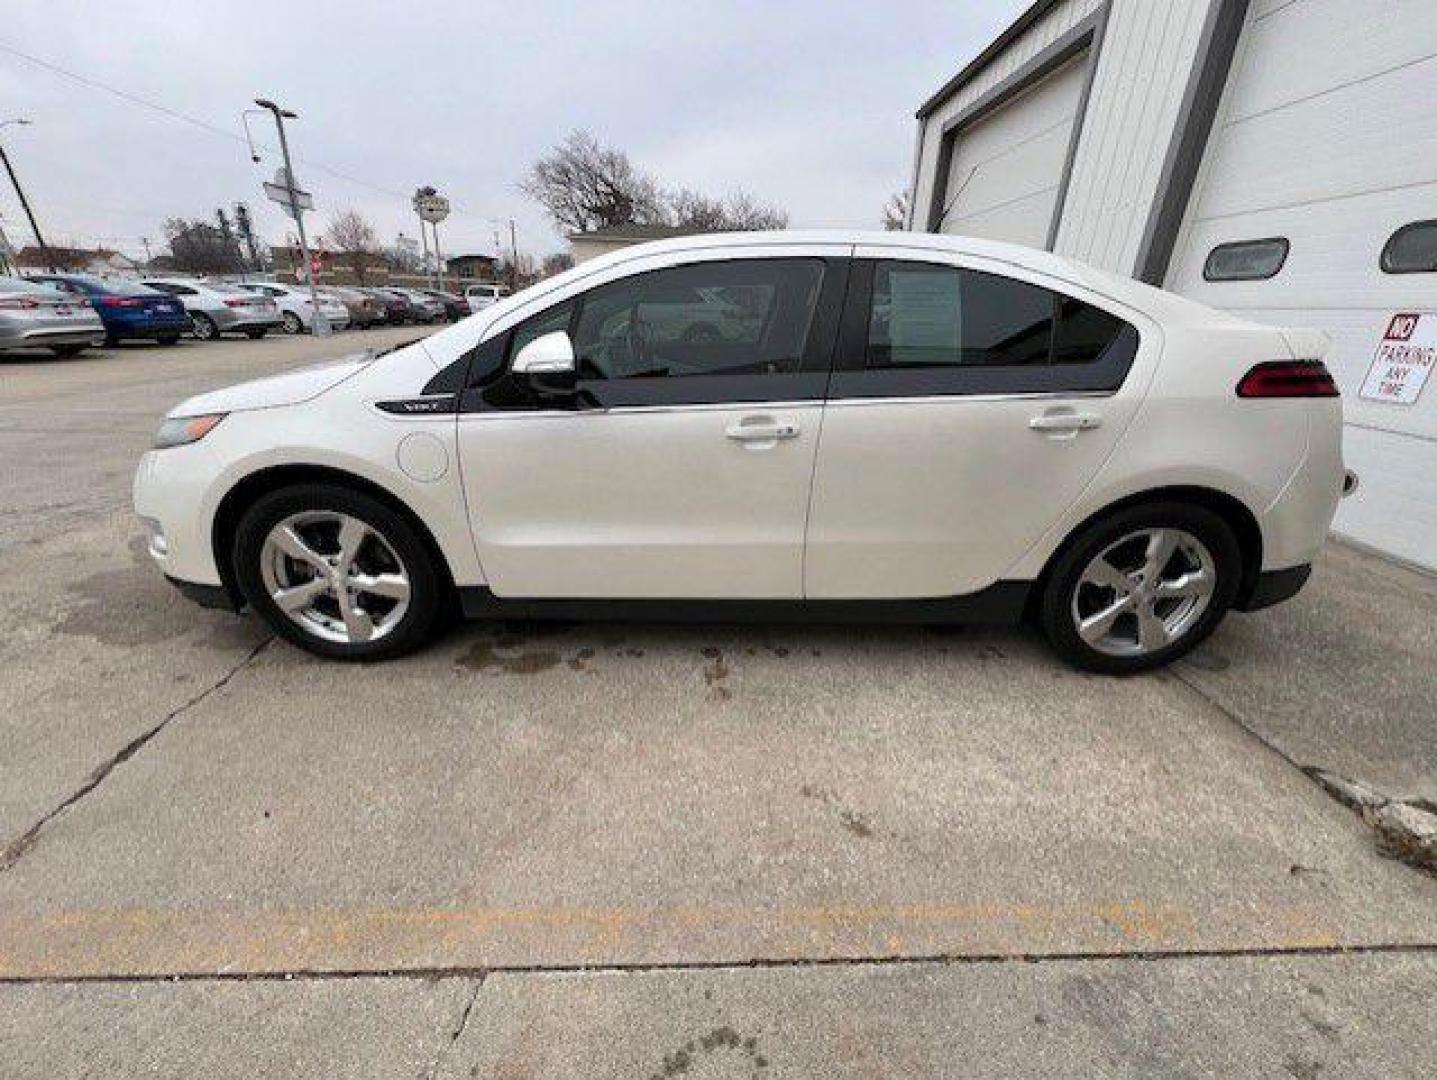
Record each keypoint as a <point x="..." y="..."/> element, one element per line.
<point x="1288" y="379"/>
<point x="121" y="301"/>
<point x="238" y="303"/>
<point x="14" y="303"/>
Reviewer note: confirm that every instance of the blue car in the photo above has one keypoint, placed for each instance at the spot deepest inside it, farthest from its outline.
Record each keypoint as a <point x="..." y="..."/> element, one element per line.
<point x="127" y="308"/>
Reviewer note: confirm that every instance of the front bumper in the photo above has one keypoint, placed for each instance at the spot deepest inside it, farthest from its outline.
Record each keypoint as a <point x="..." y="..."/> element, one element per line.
<point x="171" y="491"/>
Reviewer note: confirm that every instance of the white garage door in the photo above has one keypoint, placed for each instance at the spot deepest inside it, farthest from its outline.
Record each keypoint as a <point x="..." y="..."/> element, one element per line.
<point x="1328" y="138"/>
<point x="1006" y="168"/>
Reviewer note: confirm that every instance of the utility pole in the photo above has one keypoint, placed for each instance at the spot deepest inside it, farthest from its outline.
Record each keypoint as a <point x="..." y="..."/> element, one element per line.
<point x="24" y="202"/>
<point x="320" y="325"/>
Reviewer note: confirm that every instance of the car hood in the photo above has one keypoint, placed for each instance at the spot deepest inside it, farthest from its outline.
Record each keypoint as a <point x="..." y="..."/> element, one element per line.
<point x="291" y="388"/>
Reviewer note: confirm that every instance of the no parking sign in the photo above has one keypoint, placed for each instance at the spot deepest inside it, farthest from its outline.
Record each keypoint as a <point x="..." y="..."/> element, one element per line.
<point x="1405" y="357"/>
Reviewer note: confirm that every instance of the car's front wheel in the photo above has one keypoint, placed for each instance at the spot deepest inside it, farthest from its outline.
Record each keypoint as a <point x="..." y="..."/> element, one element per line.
<point x="1141" y="587"/>
<point x="337" y="572"/>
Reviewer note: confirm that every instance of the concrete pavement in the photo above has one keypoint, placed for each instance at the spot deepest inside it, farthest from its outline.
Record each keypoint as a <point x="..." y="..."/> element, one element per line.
<point x="864" y="829"/>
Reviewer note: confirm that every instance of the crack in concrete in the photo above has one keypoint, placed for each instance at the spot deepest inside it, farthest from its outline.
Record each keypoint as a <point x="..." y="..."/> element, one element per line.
<point x="18" y="848"/>
<point x="454" y="1036"/>
<point x="431" y="974"/>
<point x="1402" y="829"/>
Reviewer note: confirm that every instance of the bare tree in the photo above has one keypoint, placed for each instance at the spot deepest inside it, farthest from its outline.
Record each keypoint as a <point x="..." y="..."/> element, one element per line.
<point x="739" y="212"/>
<point x="585" y="186"/>
<point x="354" y="241"/>
<point x="201" y="248"/>
<point x="556" y="263"/>
<point x="896" y="210"/>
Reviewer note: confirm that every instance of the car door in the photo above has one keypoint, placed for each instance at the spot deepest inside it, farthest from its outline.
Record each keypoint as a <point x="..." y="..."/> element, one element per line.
<point x="681" y="465"/>
<point x="971" y="403"/>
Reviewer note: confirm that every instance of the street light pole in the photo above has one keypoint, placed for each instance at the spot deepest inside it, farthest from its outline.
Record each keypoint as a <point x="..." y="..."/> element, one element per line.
<point x="319" y="325"/>
<point x="24" y="202"/>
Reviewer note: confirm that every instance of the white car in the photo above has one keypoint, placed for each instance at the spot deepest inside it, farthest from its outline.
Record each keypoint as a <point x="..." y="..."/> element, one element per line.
<point x="482" y="296"/>
<point x="297" y="309"/>
<point x="916" y="427"/>
<point x="215" y="308"/>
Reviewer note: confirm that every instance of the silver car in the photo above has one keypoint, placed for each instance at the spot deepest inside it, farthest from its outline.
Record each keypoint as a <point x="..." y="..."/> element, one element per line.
<point x="39" y="317"/>
<point x="216" y="308"/>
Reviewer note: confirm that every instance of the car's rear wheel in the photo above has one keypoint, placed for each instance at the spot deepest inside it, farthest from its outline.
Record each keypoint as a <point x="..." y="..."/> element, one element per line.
<point x="205" y="328"/>
<point x="1141" y="587"/>
<point x="292" y="323"/>
<point x="337" y="572"/>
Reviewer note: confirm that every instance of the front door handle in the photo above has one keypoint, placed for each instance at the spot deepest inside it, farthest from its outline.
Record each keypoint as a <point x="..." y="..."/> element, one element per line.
<point x="761" y="429"/>
<point x="1065" y="421"/>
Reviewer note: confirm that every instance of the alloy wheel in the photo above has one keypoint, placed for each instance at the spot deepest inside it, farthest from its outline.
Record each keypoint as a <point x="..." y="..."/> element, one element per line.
<point x="1144" y="592"/>
<point x="335" y="576"/>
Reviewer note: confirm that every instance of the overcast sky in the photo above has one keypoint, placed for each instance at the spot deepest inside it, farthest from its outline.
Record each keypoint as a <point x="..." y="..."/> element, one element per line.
<point x="807" y="104"/>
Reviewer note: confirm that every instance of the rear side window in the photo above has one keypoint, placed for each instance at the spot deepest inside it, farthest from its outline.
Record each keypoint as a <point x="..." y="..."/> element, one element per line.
<point x="1246" y="260"/>
<point x="926" y="316"/>
<point x="1412" y="249"/>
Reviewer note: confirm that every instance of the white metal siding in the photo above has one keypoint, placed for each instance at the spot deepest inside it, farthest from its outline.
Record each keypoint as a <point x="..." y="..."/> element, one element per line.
<point x="1328" y="136"/>
<point x="1148" y="54"/>
<point x="1053" y="25"/>
<point x="1006" y="168"/>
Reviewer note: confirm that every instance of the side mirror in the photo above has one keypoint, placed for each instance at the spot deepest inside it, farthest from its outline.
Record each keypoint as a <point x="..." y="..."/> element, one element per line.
<point x="546" y="364"/>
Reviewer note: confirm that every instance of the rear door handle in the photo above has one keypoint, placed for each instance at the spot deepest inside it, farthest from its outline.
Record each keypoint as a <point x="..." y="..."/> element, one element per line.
<point x="1057" y="422"/>
<point x="756" y="429"/>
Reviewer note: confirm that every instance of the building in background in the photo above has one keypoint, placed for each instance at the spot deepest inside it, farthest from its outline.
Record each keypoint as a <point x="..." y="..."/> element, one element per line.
<point x="472" y="267"/>
<point x="1277" y="158"/>
<point x="101" y="261"/>
<point x="588" y="245"/>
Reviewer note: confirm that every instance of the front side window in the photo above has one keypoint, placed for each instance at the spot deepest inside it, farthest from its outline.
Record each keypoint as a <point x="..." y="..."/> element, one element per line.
<point x="739" y="317"/>
<point x="929" y="316"/>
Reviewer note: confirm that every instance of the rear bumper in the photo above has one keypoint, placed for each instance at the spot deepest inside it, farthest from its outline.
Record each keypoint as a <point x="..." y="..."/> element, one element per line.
<point x="1275" y="586"/>
<point x="42" y="337"/>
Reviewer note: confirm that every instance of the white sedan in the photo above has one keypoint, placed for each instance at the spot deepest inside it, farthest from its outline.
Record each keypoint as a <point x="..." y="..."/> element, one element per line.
<point x="902" y="427"/>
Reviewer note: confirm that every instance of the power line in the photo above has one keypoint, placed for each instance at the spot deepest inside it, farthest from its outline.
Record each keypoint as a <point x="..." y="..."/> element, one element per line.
<point x="184" y="118"/>
<point x="214" y="129"/>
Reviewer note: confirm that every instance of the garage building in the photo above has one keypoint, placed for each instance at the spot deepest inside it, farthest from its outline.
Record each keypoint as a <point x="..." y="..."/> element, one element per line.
<point x="1277" y="158"/>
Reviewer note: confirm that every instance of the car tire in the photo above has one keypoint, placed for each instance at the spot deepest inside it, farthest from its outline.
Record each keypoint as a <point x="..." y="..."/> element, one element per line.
<point x="255" y="335"/>
<point x="168" y="339"/>
<point x="66" y="352"/>
<point x="389" y="552"/>
<point x="292" y="323"/>
<point x="205" y="328"/>
<point x="1138" y="588"/>
<point x="112" y="340"/>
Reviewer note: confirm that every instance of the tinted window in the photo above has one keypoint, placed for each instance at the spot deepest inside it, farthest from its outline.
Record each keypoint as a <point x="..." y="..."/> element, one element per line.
<point x="1412" y="249"/>
<point x="1246" y="260"/>
<point x="938" y="316"/>
<point x="741" y="317"/>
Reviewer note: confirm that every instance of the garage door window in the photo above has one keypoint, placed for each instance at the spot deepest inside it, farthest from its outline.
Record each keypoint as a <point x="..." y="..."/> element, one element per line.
<point x="1412" y="249"/>
<point x="1246" y="260"/>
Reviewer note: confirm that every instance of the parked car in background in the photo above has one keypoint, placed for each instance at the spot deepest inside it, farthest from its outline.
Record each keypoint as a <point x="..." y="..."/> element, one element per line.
<point x="482" y="296"/>
<point x="364" y="310"/>
<point x="1006" y="434"/>
<point x="296" y="309"/>
<point x="393" y="309"/>
<point x="455" y="306"/>
<point x="127" y="309"/>
<point x="216" y="308"/>
<point x="399" y="309"/>
<point x="43" y="317"/>
<point x="426" y="308"/>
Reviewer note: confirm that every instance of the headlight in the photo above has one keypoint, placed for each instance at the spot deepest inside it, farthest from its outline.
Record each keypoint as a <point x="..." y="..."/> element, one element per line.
<point x="183" y="430"/>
